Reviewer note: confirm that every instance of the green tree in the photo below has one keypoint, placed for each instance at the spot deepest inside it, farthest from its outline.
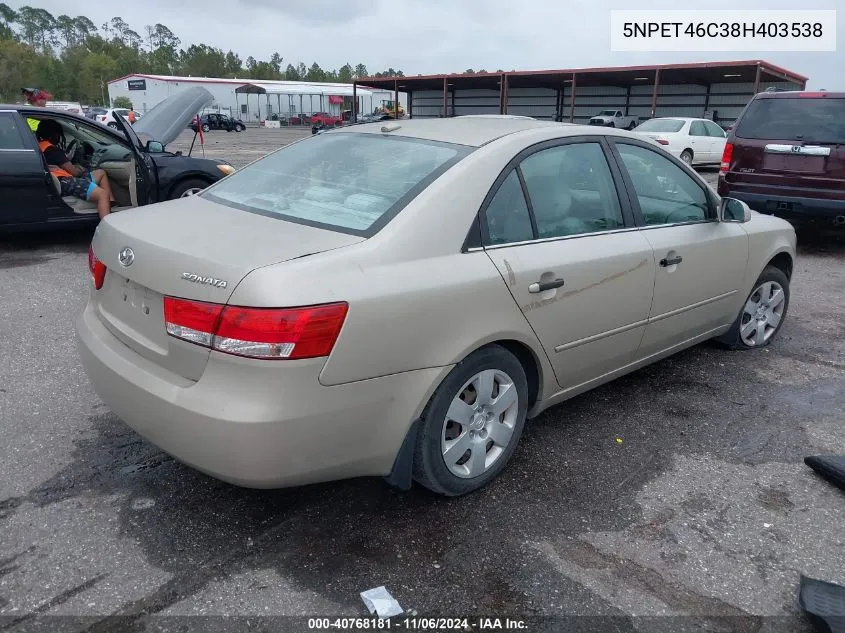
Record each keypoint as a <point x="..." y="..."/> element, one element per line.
<point x="37" y="27"/>
<point x="18" y="68"/>
<point x="344" y="75"/>
<point x="292" y="74"/>
<point x="361" y="71"/>
<point x="122" y="102"/>
<point x="315" y="73"/>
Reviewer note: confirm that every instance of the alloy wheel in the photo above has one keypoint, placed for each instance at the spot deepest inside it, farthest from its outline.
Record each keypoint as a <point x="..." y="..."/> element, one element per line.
<point x="480" y="423"/>
<point x="762" y="314"/>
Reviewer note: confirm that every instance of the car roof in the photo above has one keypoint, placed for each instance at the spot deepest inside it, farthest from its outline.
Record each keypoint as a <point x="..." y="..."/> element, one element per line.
<point x="787" y="94"/>
<point x="471" y="131"/>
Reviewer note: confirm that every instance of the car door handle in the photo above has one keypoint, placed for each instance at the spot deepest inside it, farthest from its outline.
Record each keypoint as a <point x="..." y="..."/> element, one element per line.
<point x="542" y="286"/>
<point x="671" y="262"/>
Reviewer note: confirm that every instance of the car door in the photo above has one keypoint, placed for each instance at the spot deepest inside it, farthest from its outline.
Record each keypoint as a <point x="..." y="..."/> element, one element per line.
<point x="700" y="142"/>
<point x="700" y="262"/>
<point x="566" y="246"/>
<point x="718" y="139"/>
<point x="24" y="180"/>
<point x="146" y="178"/>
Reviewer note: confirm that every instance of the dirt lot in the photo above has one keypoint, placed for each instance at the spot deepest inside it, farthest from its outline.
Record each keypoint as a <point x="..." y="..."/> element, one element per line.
<point x="677" y="491"/>
<point x="239" y="148"/>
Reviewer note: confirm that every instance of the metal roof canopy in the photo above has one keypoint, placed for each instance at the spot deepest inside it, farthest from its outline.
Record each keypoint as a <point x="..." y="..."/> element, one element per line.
<point x="289" y="89"/>
<point x="704" y="73"/>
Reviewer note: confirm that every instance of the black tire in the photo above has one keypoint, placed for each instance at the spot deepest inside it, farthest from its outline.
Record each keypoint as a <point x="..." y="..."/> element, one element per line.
<point x="112" y="125"/>
<point x="186" y="185"/>
<point x="631" y="125"/>
<point x="611" y="124"/>
<point x="239" y="128"/>
<point x="205" y="127"/>
<point x="430" y="469"/>
<point x="732" y="338"/>
<point x="688" y="154"/>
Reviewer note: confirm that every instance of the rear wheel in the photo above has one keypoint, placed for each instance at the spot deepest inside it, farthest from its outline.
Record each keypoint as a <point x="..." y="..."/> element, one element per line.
<point x="632" y="125"/>
<point x="187" y="188"/>
<point x="112" y="125"/>
<point x="762" y="314"/>
<point x="472" y="424"/>
<point x="686" y="156"/>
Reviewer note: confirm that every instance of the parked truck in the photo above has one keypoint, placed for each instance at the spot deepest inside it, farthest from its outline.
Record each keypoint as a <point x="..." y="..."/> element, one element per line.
<point x="614" y="118"/>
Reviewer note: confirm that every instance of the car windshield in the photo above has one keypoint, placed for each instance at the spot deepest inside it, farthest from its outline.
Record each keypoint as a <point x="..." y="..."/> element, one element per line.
<point x="796" y="118"/>
<point x="353" y="183"/>
<point x="666" y="126"/>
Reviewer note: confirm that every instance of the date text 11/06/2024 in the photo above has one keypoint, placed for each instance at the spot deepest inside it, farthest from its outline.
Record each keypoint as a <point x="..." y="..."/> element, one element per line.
<point x="433" y="625"/>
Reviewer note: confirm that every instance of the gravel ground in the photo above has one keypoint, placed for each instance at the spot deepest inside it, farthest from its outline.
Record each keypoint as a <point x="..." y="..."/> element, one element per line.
<point x="704" y="508"/>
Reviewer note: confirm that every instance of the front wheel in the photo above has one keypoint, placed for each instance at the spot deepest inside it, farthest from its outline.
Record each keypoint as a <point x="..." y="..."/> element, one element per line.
<point x="611" y="124"/>
<point x="763" y="313"/>
<point x="205" y="127"/>
<point x="188" y="188"/>
<point x="239" y="128"/>
<point x="472" y="424"/>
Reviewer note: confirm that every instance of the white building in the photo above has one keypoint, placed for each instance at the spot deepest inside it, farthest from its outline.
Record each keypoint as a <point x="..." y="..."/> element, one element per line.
<point x="249" y="99"/>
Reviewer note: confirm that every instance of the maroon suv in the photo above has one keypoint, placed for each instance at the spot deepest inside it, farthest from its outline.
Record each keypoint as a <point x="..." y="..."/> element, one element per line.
<point x="785" y="156"/>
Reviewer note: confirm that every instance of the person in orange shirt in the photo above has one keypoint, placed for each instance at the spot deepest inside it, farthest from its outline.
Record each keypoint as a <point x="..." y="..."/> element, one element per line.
<point x="74" y="180"/>
<point x="131" y="117"/>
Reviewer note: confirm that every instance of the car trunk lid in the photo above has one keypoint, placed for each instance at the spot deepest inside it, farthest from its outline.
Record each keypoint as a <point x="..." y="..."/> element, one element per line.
<point x="193" y="249"/>
<point x="795" y="143"/>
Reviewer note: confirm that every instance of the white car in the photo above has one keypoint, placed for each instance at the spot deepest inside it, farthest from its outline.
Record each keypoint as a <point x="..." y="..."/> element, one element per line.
<point x="694" y="141"/>
<point x="66" y="106"/>
<point x="109" y="117"/>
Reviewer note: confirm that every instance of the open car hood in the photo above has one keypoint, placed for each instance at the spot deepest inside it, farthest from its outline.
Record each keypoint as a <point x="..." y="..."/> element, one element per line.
<point x="169" y="118"/>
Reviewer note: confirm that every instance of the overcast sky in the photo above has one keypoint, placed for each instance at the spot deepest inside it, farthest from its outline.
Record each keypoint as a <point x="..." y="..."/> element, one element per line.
<point x="435" y="36"/>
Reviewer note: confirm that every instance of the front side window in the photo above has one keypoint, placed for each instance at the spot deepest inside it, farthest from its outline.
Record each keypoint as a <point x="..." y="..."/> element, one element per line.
<point x="571" y="190"/>
<point x="666" y="193"/>
<point x="348" y="182"/>
<point x="714" y="130"/>
<point x="697" y="128"/>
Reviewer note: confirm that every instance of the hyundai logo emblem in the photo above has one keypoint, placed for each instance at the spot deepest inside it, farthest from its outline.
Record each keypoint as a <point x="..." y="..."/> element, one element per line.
<point x="126" y="256"/>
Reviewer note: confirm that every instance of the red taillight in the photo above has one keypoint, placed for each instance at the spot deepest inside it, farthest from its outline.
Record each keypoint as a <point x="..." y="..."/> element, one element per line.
<point x="662" y="141"/>
<point x="727" y="155"/>
<point x="268" y="333"/>
<point x="97" y="268"/>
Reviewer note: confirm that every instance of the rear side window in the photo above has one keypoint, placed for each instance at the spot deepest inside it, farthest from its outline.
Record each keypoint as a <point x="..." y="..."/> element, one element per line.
<point x="807" y="119"/>
<point x="349" y="182"/>
<point x="10" y="134"/>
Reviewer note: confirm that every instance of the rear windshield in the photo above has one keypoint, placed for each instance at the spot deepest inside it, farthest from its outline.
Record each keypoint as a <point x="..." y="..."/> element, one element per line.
<point x="799" y="118"/>
<point x="353" y="183"/>
<point x="661" y="125"/>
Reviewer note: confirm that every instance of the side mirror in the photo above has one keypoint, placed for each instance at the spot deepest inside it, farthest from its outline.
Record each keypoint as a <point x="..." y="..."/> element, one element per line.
<point x="733" y="210"/>
<point x="154" y="147"/>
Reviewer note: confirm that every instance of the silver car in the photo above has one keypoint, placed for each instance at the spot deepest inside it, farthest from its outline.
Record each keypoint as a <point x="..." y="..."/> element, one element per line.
<point x="396" y="299"/>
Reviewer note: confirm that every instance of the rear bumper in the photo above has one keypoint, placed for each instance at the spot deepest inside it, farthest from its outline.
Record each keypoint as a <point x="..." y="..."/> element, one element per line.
<point x="253" y="423"/>
<point x="798" y="209"/>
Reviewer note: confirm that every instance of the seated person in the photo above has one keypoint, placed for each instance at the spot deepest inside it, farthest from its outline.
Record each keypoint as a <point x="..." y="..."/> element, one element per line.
<point x="74" y="180"/>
